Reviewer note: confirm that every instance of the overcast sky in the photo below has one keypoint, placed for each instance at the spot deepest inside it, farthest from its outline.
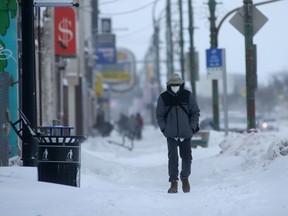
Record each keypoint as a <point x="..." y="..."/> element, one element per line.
<point x="134" y="31"/>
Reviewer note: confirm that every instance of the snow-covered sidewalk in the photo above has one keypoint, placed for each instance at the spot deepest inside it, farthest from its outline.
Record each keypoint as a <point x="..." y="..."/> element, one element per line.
<point x="240" y="175"/>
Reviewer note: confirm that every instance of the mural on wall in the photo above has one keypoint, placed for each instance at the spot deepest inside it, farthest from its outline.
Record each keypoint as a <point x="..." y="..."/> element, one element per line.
<point x="9" y="61"/>
<point x="8" y="9"/>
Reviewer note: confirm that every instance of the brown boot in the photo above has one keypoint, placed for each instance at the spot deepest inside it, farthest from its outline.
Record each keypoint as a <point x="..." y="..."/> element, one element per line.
<point x="174" y="187"/>
<point x="185" y="184"/>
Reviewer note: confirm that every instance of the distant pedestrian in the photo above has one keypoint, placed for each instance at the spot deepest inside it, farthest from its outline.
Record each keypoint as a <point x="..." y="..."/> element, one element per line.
<point x="139" y="126"/>
<point x="177" y="114"/>
<point x="103" y="127"/>
<point x="123" y="123"/>
<point x="100" y="119"/>
<point x="131" y="127"/>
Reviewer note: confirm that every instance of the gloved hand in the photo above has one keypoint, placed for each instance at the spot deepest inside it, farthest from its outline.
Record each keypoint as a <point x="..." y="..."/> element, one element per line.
<point x="179" y="139"/>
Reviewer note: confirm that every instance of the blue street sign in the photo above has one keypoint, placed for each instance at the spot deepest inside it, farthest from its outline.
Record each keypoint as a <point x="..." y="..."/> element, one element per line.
<point x="213" y="58"/>
<point x="106" y="54"/>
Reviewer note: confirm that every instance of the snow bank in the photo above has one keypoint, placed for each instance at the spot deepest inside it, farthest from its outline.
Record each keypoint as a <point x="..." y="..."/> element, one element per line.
<point x="254" y="147"/>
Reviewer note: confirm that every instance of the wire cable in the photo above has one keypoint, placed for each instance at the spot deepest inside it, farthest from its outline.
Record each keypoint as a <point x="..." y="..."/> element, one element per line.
<point x="136" y="31"/>
<point x="131" y="11"/>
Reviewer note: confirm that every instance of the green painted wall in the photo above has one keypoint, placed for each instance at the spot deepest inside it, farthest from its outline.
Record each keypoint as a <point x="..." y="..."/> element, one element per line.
<point x="9" y="60"/>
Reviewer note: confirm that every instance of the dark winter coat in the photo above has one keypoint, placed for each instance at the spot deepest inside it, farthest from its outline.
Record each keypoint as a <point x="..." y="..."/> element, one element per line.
<point x="172" y="119"/>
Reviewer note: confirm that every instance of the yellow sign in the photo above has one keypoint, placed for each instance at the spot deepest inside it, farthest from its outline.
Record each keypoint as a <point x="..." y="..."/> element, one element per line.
<point x="119" y="76"/>
<point x="122" y="71"/>
<point x="98" y="88"/>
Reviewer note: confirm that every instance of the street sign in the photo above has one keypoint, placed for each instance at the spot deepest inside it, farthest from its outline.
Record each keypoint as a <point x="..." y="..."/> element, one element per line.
<point x="106" y="26"/>
<point x="213" y="58"/>
<point x="214" y="63"/>
<point x="105" y="38"/>
<point x="105" y="52"/>
<point x="259" y="19"/>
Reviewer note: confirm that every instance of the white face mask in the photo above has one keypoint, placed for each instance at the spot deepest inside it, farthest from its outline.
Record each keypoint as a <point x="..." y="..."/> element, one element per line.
<point x="175" y="89"/>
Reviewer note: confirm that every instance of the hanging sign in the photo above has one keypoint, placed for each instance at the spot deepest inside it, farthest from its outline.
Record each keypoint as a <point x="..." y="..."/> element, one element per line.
<point x="65" y="31"/>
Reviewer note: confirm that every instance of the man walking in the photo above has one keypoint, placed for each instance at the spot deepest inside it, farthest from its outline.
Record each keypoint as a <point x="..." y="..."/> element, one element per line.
<point x="177" y="114"/>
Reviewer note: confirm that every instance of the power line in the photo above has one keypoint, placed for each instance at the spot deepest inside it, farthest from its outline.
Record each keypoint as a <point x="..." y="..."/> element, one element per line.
<point x="108" y="2"/>
<point x="131" y="11"/>
<point x="135" y="32"/>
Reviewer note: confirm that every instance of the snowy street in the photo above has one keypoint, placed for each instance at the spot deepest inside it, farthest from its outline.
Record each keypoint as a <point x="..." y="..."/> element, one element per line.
<point x="80" y="78"/>
<point x="248" y="178"/>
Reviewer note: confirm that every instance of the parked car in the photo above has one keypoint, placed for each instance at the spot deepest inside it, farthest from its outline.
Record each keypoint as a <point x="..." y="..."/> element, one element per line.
<point x="237" y="124"/>
<point x="268" y="124"/>
<point x="206" y="124"/>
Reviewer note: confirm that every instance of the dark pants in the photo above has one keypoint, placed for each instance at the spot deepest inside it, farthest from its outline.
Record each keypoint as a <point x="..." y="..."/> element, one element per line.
<point x="173" y="159"/>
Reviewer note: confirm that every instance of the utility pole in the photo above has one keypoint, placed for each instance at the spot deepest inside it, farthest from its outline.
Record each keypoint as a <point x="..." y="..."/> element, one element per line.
<point x="213" y="44"/>
<point x="156" y="46"/>
<point x="157" y="56"/>
<point x="95" y="17"/>
<point x="251" y="78"/>
<point x="250" y="55"/>
<point x="169" y="50"/>
<point x="95" y="32"/>
<point x="181" y="41"/>
<point x="28" y="81"/>
<point x="193" y="72"/>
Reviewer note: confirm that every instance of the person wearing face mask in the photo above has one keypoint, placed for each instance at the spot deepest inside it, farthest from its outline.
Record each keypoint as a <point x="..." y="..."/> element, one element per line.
<point x="177" y="115"/>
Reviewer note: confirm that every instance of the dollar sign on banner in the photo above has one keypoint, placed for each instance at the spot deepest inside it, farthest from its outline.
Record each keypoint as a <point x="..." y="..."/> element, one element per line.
<point x="66" y="35"/>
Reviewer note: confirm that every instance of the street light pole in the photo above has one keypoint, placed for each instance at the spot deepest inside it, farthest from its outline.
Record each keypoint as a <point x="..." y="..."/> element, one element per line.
<point x="28" y="80"/>
<point x="213" y="44"/>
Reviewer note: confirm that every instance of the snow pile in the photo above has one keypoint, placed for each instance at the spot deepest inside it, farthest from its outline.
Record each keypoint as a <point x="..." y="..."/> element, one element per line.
<point x="255" y="148"/>
<point x="239" y="175"/>
<point x="278" y="148"/>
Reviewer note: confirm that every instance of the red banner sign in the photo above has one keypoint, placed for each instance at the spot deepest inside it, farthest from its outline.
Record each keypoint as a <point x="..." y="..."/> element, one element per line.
<point x="65" y="31"/>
